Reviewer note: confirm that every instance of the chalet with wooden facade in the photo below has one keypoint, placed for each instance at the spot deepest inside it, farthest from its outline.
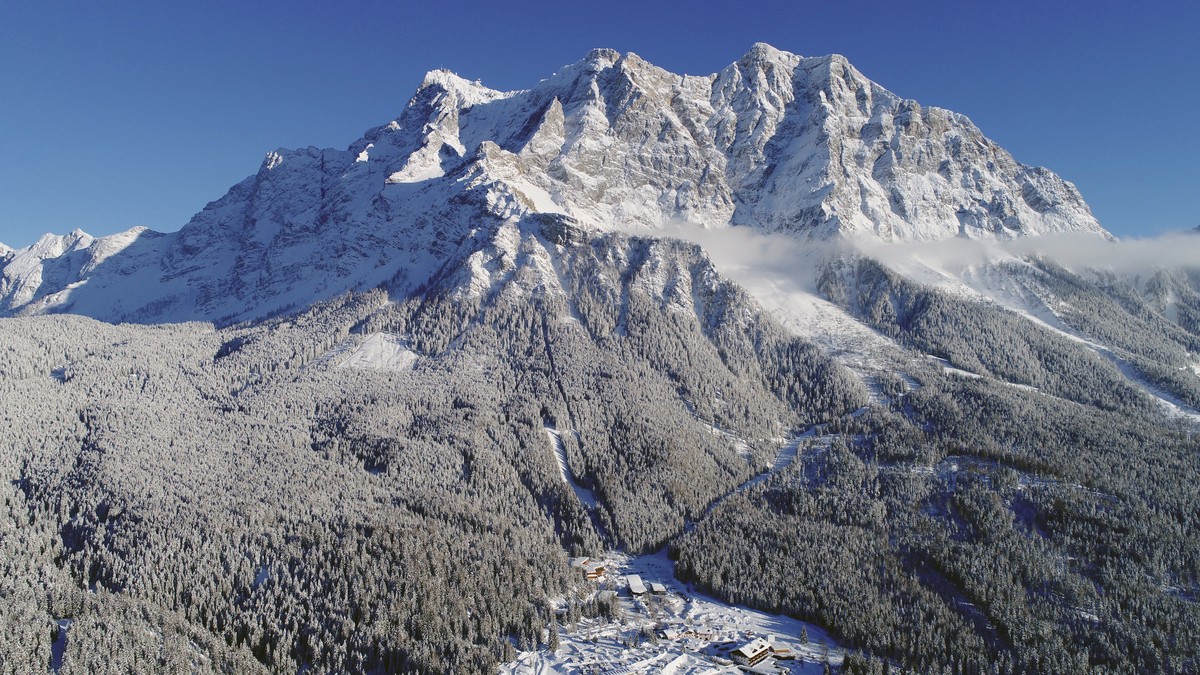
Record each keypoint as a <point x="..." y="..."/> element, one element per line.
<point x="752" y="653"/>
<point x="591" y="569"/>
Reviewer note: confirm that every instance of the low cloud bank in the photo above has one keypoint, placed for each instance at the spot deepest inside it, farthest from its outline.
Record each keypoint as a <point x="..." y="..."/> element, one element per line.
<point x="1128" y="256"/>
<point x="741" y="247"/>
<point x="1074" y="251"/>
<point x="738" y="251"/>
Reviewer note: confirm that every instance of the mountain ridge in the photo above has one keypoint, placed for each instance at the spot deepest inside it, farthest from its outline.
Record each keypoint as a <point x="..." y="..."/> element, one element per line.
<point x="807" y="146"/>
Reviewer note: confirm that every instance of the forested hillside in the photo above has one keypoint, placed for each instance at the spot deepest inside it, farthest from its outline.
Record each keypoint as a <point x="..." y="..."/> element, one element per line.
<point x="973" y="527"/>
<point x="1026" y="510"/>
<point x="235" y="500"/>
<point x="232" y="500"/>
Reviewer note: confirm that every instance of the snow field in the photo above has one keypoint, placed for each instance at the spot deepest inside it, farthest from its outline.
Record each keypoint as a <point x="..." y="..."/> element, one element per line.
<point x="380" y="351"/>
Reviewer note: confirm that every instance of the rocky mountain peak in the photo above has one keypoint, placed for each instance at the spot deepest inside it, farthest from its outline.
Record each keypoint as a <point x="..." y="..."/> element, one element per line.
<point x="763" y="53"/>
<point x="461" y="91"/>
<point x="601" y="58"/>
<point x="51" y="245"/>
<point x="807" y="146"/>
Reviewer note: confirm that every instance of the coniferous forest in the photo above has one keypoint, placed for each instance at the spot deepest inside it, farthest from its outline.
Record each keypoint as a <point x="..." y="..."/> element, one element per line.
<point x="205" y="498"/>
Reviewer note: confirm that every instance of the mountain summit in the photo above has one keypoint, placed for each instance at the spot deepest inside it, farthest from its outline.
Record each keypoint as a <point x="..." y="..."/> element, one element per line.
<point x="776" y="141"/>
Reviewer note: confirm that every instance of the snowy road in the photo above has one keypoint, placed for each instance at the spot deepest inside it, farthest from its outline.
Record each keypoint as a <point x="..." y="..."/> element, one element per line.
<point x="783" y="459"/>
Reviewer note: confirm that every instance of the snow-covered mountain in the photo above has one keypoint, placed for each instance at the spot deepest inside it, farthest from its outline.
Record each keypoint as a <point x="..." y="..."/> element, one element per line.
<point x="775" y="141"/>
<point x="841" y="355"/>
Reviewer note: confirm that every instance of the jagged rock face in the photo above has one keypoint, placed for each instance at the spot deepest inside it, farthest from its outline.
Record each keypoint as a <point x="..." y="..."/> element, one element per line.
<point x="806" y="146"/>
<point x="803" y="145"/>
<point x="53" y="260"/>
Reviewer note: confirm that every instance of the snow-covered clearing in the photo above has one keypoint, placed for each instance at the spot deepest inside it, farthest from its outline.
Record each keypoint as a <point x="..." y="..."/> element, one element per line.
<point x="58" y="648"/>
<point x="560" y="455"/>
<point x="740" y="446"/>
<point x="680" y="632"/>
<point x="381" y="351"/>
<point x="949" y="369"/>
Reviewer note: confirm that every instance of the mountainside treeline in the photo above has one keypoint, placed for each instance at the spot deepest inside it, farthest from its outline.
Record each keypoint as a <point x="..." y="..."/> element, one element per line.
<point x="249" y="504"/>
<point x="975" y="524"/>
<point x="181" y="497"/>
<point x="970" y="527"/>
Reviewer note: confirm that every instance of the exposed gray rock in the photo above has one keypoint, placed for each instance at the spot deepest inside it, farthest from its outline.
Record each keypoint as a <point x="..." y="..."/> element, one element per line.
<point x="806" y="146"/>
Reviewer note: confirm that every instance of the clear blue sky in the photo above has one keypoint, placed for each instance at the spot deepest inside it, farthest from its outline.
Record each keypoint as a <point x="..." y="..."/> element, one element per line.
<point x="115" y="114"/>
